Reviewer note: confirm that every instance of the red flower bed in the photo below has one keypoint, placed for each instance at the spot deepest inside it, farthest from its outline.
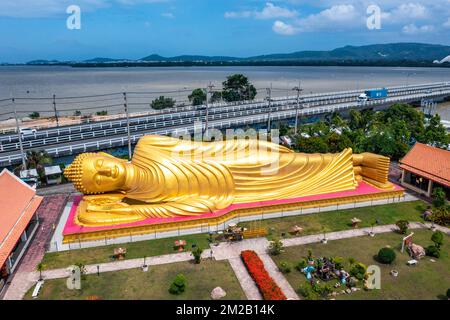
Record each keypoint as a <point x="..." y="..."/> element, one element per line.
<point x="268" y="288"/>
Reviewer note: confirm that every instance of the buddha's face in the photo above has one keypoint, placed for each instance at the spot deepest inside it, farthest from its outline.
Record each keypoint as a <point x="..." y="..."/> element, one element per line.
<point x="97" y="173"/>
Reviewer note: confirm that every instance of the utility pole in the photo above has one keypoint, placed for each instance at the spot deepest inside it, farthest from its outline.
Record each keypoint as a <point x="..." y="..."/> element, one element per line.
<point x="298" y="89"/>
<point x="208" y="96"/>
<point x="125" y="104"/>
<point x="19" y="134"/>
<point x="269" y="99"/>
<point x="56" y="112"/>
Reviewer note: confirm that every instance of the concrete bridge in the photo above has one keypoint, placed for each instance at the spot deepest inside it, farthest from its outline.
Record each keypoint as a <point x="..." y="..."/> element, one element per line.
<point x="75" y="139"/>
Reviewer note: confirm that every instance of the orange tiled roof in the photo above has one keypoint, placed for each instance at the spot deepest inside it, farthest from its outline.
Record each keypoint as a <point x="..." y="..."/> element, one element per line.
<point x="18" y="203"/>
<point x="429" y="162"/>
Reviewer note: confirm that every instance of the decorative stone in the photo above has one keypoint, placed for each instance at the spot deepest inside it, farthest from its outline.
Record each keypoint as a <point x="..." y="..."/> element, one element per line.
<point x="218" y="293"/>
<point x="348" y="291"/>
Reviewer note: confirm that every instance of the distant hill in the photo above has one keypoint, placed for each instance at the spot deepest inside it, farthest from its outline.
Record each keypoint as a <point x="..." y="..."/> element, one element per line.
<point x="379" y="54"/>
<point x="393" y="51"/>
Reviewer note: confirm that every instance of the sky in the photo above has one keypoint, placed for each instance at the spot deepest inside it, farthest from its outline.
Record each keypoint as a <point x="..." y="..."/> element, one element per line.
<point x="132" y="29"/>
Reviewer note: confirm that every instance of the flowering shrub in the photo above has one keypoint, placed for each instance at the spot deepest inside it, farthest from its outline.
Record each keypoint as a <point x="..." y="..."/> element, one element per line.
<point x="268" y="288"/>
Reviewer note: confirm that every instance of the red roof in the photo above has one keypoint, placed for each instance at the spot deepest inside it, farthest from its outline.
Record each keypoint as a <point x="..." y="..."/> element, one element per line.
<point x="429" y="162"/>
<point x="18" y="203"/>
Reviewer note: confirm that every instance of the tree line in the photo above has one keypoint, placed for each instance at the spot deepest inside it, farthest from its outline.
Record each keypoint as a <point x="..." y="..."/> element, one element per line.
<point x="235" y="88"/>
<point x="389" y="132"/>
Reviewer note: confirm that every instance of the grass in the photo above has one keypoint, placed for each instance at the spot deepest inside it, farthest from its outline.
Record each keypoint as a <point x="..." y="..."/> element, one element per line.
<point x="427" y="280"/>
<point x="312" y="224"/>
<point x="149" y="248"/>
<point x="340" y="220"/>
<point x="152" y="285"/>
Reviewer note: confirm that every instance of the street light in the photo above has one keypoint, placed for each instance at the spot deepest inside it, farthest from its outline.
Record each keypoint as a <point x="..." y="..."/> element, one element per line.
<point x="298" y="89"/>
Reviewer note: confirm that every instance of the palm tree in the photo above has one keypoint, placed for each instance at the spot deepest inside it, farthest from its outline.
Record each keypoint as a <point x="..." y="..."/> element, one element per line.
<point x="37" y="159"/>
<point x="40" y="267"/>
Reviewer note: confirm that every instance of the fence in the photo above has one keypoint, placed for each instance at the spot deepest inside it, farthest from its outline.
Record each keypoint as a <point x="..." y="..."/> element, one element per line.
<point x="214" y="228"/>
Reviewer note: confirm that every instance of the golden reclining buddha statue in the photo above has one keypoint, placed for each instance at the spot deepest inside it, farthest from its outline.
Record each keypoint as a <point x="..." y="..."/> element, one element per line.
<point x="168" y="177"/>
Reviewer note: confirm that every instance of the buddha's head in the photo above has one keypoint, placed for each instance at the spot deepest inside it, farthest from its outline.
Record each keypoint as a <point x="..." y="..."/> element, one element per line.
<point x="94" y="173"/>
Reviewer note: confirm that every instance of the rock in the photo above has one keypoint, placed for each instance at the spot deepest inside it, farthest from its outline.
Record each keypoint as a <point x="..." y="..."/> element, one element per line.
<point x="348" y="291"/>
<point x="218" y="293"/>
<point x="342" y="291"/>
<point x="334" y="294"/>
<point x="354" y="289"/>
<point x="416" y="251"/>
<point x="432" y="260"/>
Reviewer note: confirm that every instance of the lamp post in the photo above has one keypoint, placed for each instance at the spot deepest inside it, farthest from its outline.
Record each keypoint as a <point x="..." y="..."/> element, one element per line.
<point x="298" y="89"/>
<point x="269" y="100"/>
<point x="19" y="135"/>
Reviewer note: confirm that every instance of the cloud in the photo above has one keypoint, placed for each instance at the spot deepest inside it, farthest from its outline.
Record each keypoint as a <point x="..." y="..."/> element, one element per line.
<point x="338" y="16"/>
<point x="270" y="11"/>
<point x="412" y="29"/>
<point x="169" y="15"/>
<point x="48" y="8"/>
<point x="284" y="29"/>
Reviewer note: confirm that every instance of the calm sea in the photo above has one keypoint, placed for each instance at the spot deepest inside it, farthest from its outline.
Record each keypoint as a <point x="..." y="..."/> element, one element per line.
<point x="29" y="81"/>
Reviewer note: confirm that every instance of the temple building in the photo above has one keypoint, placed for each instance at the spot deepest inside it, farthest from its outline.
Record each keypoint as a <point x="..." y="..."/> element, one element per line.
<point x="18" y="221"/>
<point x="425" y="168"/>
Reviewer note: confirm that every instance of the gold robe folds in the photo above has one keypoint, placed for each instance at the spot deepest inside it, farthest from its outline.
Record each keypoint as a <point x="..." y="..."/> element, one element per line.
<point x="169" y="177"/>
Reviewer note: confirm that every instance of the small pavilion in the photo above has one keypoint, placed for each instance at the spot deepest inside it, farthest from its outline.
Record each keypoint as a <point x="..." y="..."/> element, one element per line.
<point x="424" y="168"/>
<point x="18" y="221"/>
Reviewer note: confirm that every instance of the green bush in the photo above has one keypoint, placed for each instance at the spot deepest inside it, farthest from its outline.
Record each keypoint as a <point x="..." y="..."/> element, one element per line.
<point x="301" y="264"/>
<point x="307" y="292"/>
<point x="178" y="285"/>
<point x="162" y="103"/>
<point x="386" y="255"/>
<point x="358" y="271"/>
<point x="448" y="293"/>
<point x="102" y="113"/>
<point x="197" y="253"/>
<point x="275" y="247"/>
<point x="285" y="267"/>
<point x="433" y="251"/>
<point x="439" y="197"/>
<point x="438" y="239"/>
<point x="34" y="115"/>
<point x="338" y="262"/>
<point x="402" y="226"/>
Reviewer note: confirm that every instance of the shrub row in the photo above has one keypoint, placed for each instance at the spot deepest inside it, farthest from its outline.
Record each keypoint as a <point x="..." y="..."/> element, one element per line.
<point x="267" y="286"/>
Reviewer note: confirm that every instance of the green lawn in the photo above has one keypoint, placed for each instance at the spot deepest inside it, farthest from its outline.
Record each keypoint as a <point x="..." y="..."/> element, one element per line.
<point x="139" y="249"/>
<point x="312" y="224"/>
<point x="427" y="280"/>
<point x="152" y="285"/>
<point x="340" y="220"/>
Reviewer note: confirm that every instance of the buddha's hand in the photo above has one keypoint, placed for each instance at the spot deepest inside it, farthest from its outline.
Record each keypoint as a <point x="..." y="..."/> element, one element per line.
<point x="104" y="199"/>
<point x="117" y="207"/>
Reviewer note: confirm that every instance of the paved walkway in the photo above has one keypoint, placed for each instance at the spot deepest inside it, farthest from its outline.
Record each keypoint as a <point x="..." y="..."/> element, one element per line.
<point x="355" y="233"/>
<point x="48" y="213"/>
<point x="248" y="285"/>
<point x="224" y="251"/>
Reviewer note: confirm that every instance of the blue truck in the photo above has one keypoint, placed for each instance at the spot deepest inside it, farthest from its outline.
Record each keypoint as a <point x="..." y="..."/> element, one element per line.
<point x="373" y="94"/>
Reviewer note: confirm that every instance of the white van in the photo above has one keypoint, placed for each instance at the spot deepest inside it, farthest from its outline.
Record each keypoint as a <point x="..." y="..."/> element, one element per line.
<point x="27" y="131"/>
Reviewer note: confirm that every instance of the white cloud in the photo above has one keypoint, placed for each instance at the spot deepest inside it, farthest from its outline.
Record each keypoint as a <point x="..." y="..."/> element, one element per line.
<point x="284" y="29"/>
<point x="270" y="11"/>
<point x="338" y="16"/>
<point x="412" y="29"/>
<point x="46" y="8"/>
<point x="169" y="15"/>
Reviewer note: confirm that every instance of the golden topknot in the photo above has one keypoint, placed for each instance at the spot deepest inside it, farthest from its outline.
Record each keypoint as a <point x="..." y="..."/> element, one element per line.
<point x="74" y="172"/>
